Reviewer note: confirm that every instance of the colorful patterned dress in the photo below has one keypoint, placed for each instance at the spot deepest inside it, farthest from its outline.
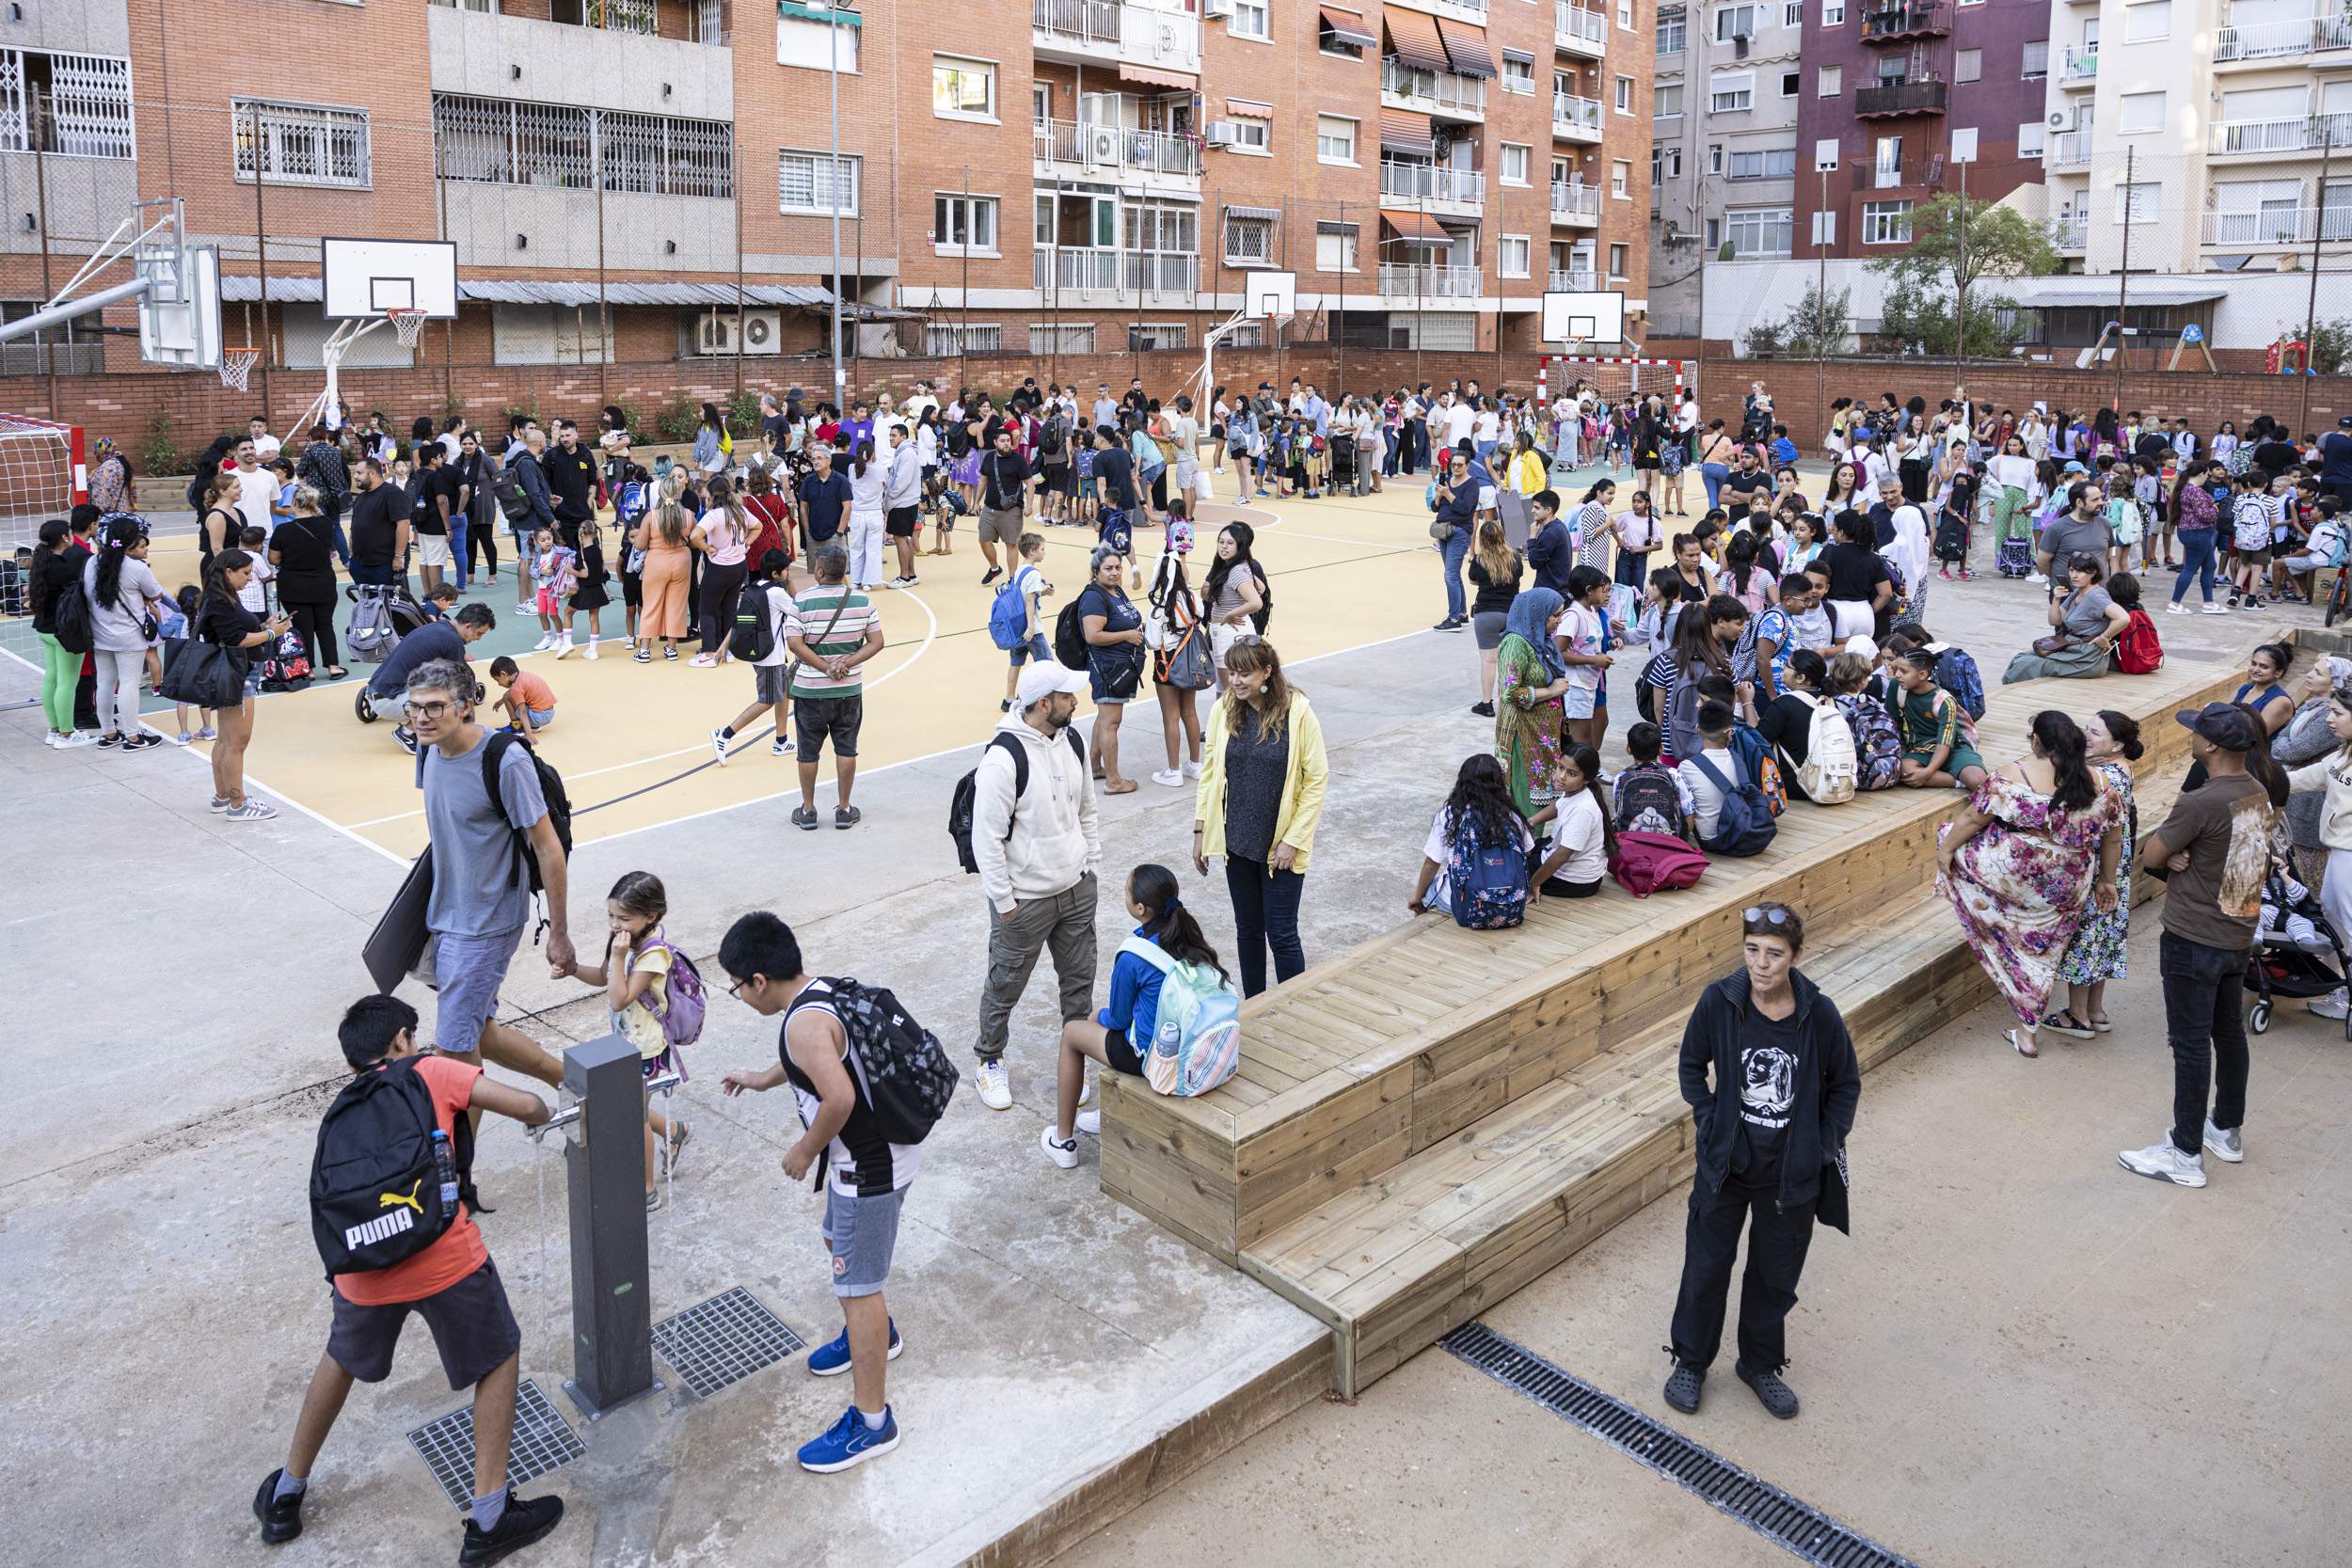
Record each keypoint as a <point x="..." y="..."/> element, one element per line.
<point x="2023" y="884"/>
<point x="2096" y="953"/>
<point x="1527" y="727"/>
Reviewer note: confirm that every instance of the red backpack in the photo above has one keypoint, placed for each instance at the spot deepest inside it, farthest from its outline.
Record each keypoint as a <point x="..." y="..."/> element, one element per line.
<point x="2137" y="652"/>
<point x="1645" y="863"/>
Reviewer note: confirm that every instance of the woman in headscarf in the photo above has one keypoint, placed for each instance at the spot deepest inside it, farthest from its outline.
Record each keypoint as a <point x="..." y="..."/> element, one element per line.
<point x="1530" y="708"/>
<point x="2307" y="739"/>
<point x="111" y="488"/>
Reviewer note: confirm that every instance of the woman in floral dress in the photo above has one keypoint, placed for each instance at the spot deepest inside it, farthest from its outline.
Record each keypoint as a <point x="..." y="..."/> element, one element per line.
<point x="1530" y="707"/>
<point x="2037" y="845"/>
<point x="2111" y="745"/>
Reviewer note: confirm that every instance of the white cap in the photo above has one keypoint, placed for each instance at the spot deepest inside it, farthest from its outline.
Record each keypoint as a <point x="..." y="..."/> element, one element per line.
<point x="1862" y="645"/>
<point x="1042" y="678"/>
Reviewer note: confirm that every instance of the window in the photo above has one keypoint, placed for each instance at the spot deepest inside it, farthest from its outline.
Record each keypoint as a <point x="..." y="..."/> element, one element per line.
<point x="1150" y="335"/>
<point x="1825" y="154"/>
<point x="1625" y="15"/>
<point x="1833" y="13"/>
<point x="1728" y="92"/>
<point x="1248" y="241"/>
<point x="1792" y="13"/>
<point x="1967" y="65"/>
<point x="1511" y="260"/>
<point x="1625" y="95"/>
<point x="1515" y="157"/>
<point x="1759" y="230"/>
<point x="1886" y="223"/>
<point x="1791" y="83"/>
<point x="299" y="144"/>
<point x="2148" y="21"/>
<point x="1048" y="338"/>
<point x="1886" y="164"/>
<point x="1832" y="83"/>
<point x="1335" y="139"/>
<point x="1673" y="32"/>
<point x="962" y="89"/>
<point x="1331" y="43"/>
<point x="1715" y="158"/>
<point x="2037" y="59"/>
<point x="1741" y="22"/>
<point x="1824" y="227"/>
<point x="1761" y="163"/>
<point x="1714" y="235"/>
<point x="803" y="38"/>
<point x="2141" y="112"/>
<point x="1665" y="101"/>
<point x="1256" y="135"/>
<point x="815" y="182"/>
<point x="491" y="141"/>
<point x="946" y="339"/>
<point x="2030" y="142"/>
<point x="964" y="224"/>
<point x="80" y="104"/>
<point x="1335" y="246"/>
<point x="1248" y="19"/>
<point x="1664" y="162"/>
<point x="1964" y="144"/>
<point x="1246" y="335"/>
<point x="1617" y="254"/>
<point x="1518" y="72"/>
<point x="1620" y="179"/>
<point x="2140" y="203"/>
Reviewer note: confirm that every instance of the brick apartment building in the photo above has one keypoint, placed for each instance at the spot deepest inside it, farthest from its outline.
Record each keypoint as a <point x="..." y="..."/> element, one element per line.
<point x="1016" y="176"/>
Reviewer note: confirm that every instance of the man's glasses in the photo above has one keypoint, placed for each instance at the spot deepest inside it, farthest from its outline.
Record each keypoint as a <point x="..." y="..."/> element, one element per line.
<point x="429" y="710"/>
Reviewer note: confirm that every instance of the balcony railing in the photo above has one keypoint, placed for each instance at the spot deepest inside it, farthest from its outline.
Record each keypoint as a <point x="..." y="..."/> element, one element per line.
<point x="2069" y="149"/>
<point x="1157" y="154"/>
<point x="1901" y="98"/>
<point x="2304" y="133"/>
<point x="1138" y="33"/>
<point x="1576" y="280"/>
<point x="1576" y="116"/>
<point x="1080" y="268"/>
<point x="1402" y="280"/>
<point x="1437" y="92"/>
<point x="2070" y="230"/>
<point x="1404" y="182"/>
<point x="2079" y="63"/>
<point x="2279" y="226"/>
<point x="1915" y="19"/>
<point x="2306" y="35"/>
<point x="1578" y="31"/>
<point x="1573" y="203"/>
<point x="705" y="21"/>
<point x="1078" y="21"/>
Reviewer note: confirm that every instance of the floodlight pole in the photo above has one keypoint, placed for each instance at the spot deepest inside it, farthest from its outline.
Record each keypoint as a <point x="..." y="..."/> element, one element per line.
<point x="2319" y="231"/>
<point x="833" y="68"/>
<point x="261" y="256"/>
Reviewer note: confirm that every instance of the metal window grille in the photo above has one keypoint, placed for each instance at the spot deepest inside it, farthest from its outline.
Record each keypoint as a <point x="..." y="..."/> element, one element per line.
<point x="496" y="142"/>
<point x="1248" y="241"/>
<point x="300" y="144"/>
<point x="74" y="105"/>
<point x="942" y="339"/>
<point x="815" y="182"/>
<point x="487" y="8"/>
<point x="665" y="156"/>
<point x="1072" y="339"/>
<point x="1150" y="335"/>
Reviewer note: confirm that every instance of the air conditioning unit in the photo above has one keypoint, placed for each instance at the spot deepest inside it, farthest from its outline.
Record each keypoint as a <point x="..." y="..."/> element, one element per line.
<point x="1223" y="133"/>
<point x="762" y="333"/>
<point x="1739" y="46"/>
<point x="2060" y="120"/>
<point x="1102" y="144"/>
<point x="1217" y="8"/>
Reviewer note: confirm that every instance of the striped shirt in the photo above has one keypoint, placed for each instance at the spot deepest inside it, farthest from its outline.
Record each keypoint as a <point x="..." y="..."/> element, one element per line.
<point x="812" y="613"/>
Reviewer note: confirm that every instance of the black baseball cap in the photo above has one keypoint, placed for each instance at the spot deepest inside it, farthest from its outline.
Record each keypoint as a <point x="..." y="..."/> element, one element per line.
<point x="2224" y="724"/>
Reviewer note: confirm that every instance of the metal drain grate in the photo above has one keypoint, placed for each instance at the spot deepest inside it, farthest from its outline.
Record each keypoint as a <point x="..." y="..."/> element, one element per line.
<point x="542" y="1441"/>
<point x="724" y="1340"/>
<point x="1812" y="1535"/>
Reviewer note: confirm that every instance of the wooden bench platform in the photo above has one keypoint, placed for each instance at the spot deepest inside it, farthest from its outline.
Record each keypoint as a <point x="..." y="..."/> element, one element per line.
<point x="1430" y="1120"/>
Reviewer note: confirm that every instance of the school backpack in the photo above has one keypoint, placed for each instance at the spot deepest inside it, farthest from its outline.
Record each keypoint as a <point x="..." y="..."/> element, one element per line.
<point x="1956" y="673"/>
<point x="1951" y="537"/>
<point x="1648" y="801"/>
<point x="755" y="634"/>
<point x="690" y="999"/>
<point x="1647" y="862"/>
<point x="630" y="500"/>
<point x="1070" y="635"/>
<point x="962" y="804"/>
<point x="1196" y="1037"/>
<point x="2137" y="652"/>
<point x="1758" y="765"/>
<point x="514" y="501"/>
<point x="1189" y="665"/>
<point x="1009" y="615"/>
<point x="903" y="1074"/>
<point x="1878" y="746"/>
<point x="74" y="633"/>
<point x="1485" y="882"/>
<point x="375" y="1185"/>
<point x="551" y="787"/>
<point x="1830" y="770"/>
<point x="1050" y="444"/>
<point x="1745" y="826"/>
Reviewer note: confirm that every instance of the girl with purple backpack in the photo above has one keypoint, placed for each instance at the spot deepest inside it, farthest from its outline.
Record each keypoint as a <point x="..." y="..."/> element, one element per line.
<point x="656" y="997"/>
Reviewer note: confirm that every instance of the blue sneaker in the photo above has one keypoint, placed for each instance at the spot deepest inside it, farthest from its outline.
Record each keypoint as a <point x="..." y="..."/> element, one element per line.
<point x="832" y="1359"/>
<point x="849" y="1442"/>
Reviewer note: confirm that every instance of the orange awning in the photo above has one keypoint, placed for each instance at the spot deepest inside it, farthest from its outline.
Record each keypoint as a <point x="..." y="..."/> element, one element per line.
<point x="1414" y="227"/>
<point x="1349" y="28"/>
<point x="1466" y="47"/>
<point x="1413" y="37"/>
<point x="1157" y="78"/>
<point x="1404" y="131"/>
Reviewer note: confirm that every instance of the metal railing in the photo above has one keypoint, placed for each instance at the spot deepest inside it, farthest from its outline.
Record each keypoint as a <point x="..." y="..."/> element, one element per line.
<point x="496" y="142"/>
<point x="1430" y="182"/>
<point x="1079" y="20"/>
<point x="2281" y="226"/>
<point x="2079" y="63"/>
<point x="2071" y="230"/>
<point x="2069" y="149"/>
<point x="1571" y="113"/>
<point x="1405" y="280"/>
<point x="1088" y="268"/>
<point x="707" y="21"/>
<point x="1901" y="98"/>
<point x="1576" y="280"/>
<point x="1578" y="29"/>
<point x="2304" y="133"/>
<point x="1576" y="203"/>
<point x="1117" y="147"/>
<point x="2304" y="34"/>
<point x="1904" y="19"/>
<point x="1433" y="91"/>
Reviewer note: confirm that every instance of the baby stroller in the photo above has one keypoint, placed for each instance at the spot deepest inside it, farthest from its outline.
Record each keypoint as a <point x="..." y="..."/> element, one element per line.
<point x="380" y="617"/>
<point x="2292" y="944"/>
<point x="1345" y="474"/>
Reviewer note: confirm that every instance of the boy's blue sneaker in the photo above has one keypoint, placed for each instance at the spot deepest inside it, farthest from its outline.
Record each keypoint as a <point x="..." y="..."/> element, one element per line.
<point x="832" y="1359"/>
<point x="849" y="1441"/>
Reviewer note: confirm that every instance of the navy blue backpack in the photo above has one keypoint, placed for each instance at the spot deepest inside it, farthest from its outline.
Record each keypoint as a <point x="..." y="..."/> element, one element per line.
<point x="1745" y="826"/>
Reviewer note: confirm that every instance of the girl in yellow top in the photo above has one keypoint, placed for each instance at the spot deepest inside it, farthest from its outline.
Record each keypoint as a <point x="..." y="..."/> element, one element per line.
<point x="1527" y="475"/>
<point x="635" y="975"/>
<point x="1263" y="773"/>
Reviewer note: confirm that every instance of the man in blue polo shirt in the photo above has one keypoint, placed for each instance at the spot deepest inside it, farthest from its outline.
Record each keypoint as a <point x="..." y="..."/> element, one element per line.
<point x="824" y="498"/>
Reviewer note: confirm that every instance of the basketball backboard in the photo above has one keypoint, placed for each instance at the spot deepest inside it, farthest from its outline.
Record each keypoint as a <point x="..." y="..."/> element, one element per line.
<point x="1270" y="295"/>
<point x="363" y="278"/>
<point x="179" y="313"/>
<point x="1583" y="316"/>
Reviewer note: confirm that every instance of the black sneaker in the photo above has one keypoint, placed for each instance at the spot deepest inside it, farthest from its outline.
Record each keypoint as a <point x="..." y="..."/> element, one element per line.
<point x="406" y="736"/>
<point x="526" y="1520"/>
<point x="1483" y="710"/>
<point x="281" y="1517"/>
<point x="1775" y="1396"/>
<point x="109" y="741"/>
<point x="1683" y="1389"/>
<point x="142" y="741"/>
<point x="993" y="574"/>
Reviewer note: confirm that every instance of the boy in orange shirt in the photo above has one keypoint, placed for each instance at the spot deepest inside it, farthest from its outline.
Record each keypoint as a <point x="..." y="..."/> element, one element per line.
<point x="529" y="701"/>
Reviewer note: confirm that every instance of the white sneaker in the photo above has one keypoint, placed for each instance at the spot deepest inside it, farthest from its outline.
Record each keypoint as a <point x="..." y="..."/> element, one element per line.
<point x="1064" y="1155"/>
<point x="563" y="646"/>
<point x="719" y="739"/>
<point x="1192" y="771"/>
<point x="526" y="607"/>
<point x="2163" y="1162"/>
<point x="1091" y="1122"/>
<point x="1172" y="777"/>
<point x="544" y="643"/>
<point x="996" y="1086"/>
<point x="2036" y="576"/>
<point x="2176" y="607"/>
<point x="2217" y="607"/>
<point x="2226" y="1144"/>
<point x="592" y="647"/>
<point x="2334" y="1005"/>
<point x="702" y="661"/>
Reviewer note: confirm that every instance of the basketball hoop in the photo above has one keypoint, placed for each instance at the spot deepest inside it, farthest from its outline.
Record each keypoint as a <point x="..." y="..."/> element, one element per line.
<point x="409" y="324"/>
<point x="235" y="365"/>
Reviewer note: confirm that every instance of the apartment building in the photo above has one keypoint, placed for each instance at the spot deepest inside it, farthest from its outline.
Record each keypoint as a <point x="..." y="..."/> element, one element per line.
<point x="611" y="171"/>
<point x="2218" y="133"/>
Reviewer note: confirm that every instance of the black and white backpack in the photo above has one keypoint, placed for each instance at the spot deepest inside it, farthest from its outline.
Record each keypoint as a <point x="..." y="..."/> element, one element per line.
<point x="375" y="1195"/>
<point x="904" y="1075"/>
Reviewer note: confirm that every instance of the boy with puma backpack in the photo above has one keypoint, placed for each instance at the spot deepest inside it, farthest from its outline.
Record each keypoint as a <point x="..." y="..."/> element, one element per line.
<point x="391" y="1212"/>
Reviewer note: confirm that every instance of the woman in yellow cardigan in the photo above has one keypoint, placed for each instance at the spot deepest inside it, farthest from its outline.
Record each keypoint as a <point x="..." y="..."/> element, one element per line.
<point x="1263" y="772"/>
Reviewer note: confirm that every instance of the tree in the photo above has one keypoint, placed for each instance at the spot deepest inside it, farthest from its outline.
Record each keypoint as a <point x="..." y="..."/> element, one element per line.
<point x="1921" y="322"/>
<point x="1926" y="279"/>
<point x="1817" y="325"/>
<point x="2331" y="346"/>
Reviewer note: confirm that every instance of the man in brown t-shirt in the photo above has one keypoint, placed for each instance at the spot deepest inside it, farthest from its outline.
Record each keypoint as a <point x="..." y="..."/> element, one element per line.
<point x="2216" y="844"/>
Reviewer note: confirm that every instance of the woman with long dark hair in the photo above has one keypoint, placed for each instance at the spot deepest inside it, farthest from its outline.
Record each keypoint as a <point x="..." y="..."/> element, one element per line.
<point x="710" y="442"/>
<point x="1703" y="644"/>
<point x="2111" y="745"/>
<point x="56" y="571"/>
<point x="224" y="622"/>
<point x="1263" y="771"/>
<point x="2035" y="848"/>
<point x="124" y="594"/>
<point x="723" y="536"/>
<point x="1480" y="806"/>
<point x="1234" y="593"/>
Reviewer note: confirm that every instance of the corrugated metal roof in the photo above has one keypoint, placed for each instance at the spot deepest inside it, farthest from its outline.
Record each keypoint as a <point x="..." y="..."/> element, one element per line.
<point x="245" y="288"/>
<point x="2048" y="294"/>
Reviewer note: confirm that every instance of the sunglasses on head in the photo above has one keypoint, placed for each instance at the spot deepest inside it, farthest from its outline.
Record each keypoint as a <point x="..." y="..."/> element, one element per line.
<point x="1760" y="915"/>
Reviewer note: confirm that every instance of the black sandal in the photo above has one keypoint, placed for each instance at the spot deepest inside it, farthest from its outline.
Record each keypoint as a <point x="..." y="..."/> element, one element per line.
<point x="2063" y="1022"/>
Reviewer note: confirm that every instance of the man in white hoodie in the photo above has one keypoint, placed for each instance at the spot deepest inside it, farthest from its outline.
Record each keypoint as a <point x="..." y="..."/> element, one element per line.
<point x="1034" y="836"/>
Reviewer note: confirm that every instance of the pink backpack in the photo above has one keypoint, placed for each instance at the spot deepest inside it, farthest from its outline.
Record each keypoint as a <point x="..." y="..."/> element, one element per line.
<point x="1645" y="863"/>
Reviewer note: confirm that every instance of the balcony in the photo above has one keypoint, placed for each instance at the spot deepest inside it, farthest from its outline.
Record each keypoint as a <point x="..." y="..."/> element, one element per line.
<point x="1468" y="10"/>
<point x="1094" y="32"/>
<point x="2276" y="227"/>
<point x="607" y="62"/>
<point x="1577" y="31"/>
<point x="1432" y="186"/>
<point x="2302" y="133"/>
<point x="1089" y="270"/>
<point x="2079" y="64"/>
<point x="2071" y="231"/>
<point x="1410" y="280"/>
<point x="1901" y="98"/>
<point x="2069" y="149"/>
<point x="1916" y="19"/>
<point x="1578" y="206"/>
<point x="1432" y="92"/>
<point x="1575" y="119"/>
<point x="1577" y="281"/>
<point x="1115" y="151"/>
<point x="2265" y="40"/>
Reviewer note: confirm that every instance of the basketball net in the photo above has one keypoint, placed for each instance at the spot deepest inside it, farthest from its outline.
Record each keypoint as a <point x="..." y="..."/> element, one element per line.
<point x="235" y="365"/>
<point x="407" y="324"/>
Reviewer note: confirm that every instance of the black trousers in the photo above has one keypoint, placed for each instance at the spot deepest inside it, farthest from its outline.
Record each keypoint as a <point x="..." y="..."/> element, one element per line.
<point x="1266" y="917"/>
<point x="1777" y="1241"/>
<point x="2204" y="1018"/>
<point x="719" y="586"/>
<point x="315" y="625"/>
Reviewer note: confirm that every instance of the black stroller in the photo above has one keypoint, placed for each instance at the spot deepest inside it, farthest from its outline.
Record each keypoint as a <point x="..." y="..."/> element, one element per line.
<point x="2292" y="944"/>
<point x="380" y="617"/>
<point x="1344" y="469"/>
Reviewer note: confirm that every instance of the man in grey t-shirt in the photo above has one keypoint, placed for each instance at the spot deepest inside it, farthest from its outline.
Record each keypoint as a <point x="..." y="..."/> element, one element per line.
<point x="2081" y="530"/>
<point x="481" y="900"/>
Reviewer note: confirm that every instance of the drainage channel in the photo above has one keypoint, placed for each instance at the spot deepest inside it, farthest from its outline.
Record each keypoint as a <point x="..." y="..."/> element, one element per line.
<point x="1804" y="1529"/>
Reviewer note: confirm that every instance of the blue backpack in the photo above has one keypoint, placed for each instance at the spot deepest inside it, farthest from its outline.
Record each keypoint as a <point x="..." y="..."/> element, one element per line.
<point x="1745" y="826"/>
<point x="1009" y="615"/>
<point x="1956" y="673"/>
<point x="1758" y="765"/>
<point x="1485" y="883"/>
<point x="628" y="501"/>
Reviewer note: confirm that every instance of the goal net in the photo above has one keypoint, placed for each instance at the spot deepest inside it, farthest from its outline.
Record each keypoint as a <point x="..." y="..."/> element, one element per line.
<point x="42" y="476"/>
<point x="1611" y="378"/>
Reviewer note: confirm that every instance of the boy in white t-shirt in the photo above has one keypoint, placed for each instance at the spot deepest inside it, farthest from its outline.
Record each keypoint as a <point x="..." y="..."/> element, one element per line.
<point x="254" y="595"/>
<point x="1580" y="637"/>
<point x="1028" y="580"/>
<point x="1715" y="746"/>
<point x="771" y="675"/>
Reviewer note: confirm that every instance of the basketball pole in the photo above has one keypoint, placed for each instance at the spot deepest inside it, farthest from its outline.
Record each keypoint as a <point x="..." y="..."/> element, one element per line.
<point x="261" y="259"/>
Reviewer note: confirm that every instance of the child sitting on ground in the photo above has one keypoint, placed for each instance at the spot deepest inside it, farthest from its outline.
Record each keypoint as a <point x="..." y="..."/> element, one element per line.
<point x="1650" y="796"/>
<point x="1936" y="753"/>
<point x="440" y="602"/>
<point x="530" y="702"/>
<point x="644" y="976"/>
